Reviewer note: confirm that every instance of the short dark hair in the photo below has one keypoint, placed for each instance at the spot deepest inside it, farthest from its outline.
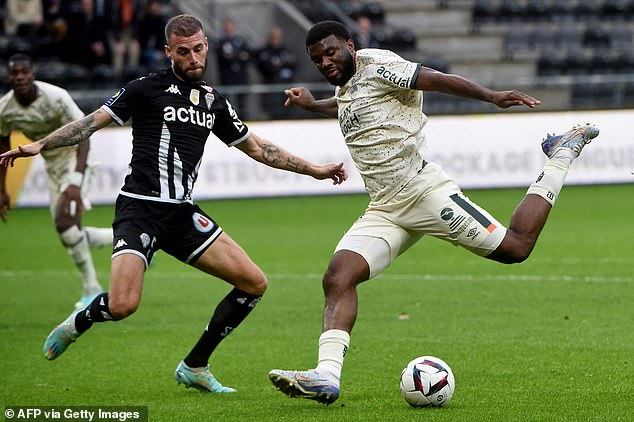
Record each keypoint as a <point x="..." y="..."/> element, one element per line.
<point x="324" y="29"/>
<point x="19" y="57"/>
<point x="183" y="25"/>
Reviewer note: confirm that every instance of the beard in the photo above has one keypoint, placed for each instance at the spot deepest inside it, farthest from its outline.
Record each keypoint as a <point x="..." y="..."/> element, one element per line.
<point x="185" y="76"/>
<point x="347" y="70"/>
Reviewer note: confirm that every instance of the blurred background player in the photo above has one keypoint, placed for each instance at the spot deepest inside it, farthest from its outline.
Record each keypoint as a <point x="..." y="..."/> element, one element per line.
<point x="36" y="109"/>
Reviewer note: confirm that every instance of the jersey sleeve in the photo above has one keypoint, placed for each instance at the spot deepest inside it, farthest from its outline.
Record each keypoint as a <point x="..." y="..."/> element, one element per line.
<point x="398" y="73"/>
<point x="121" y="104"/>
<point x="228" y="127"/>
<point x="68" y="109"/>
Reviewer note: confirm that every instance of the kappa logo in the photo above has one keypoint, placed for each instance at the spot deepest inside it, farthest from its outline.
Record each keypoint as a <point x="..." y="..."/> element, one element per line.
<point x="120" y="243"/>
<point x="202" y="223"/>
<point x="173" y="89"/>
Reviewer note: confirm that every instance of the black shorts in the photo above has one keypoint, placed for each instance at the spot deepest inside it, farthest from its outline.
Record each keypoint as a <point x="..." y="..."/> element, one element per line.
<point x="142" y="227"/>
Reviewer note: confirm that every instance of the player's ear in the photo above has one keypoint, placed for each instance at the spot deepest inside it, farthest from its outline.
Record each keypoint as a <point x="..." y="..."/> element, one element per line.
<point x="350" y="45"/>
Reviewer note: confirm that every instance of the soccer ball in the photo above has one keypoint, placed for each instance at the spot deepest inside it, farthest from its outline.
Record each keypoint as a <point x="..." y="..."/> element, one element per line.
<point x="427" y="381"/>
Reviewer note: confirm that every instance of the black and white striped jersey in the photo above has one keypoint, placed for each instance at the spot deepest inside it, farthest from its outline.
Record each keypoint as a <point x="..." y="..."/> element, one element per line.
<point x="171" y="121"/>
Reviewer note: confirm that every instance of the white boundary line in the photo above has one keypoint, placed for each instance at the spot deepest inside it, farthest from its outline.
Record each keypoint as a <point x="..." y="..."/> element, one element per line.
<point x="315" y="276"/>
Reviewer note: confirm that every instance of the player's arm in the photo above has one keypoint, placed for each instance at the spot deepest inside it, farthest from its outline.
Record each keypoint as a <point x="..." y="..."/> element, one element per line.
<point x="71" y="134"/>
<point x="303" y="98"/>
<point x="432" y="80"/>
<point x="5" y="200"/>
<point x="273" y="156"/>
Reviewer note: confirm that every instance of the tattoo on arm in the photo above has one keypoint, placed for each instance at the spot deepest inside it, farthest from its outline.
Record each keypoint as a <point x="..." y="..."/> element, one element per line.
<point x="275" y="157"/>
<point x="71" y="134"/>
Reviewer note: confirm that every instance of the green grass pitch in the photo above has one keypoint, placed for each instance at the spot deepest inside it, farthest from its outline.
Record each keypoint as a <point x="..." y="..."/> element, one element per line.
<point x="549" y="339"/>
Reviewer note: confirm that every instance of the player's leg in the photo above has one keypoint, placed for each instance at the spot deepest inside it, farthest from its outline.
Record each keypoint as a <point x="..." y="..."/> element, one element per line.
<point x="531" y="214"/>
<point x="126" y="284"/>
<point x="217" y="254"/>
<point x="98" y="237"/>
<point x="67" y="218"/>
<point x="136" y="242"/>
<point x="369" y="247"/>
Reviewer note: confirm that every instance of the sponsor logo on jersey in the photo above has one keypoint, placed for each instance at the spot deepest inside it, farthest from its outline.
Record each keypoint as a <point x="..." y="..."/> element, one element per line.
<point x="202" y="223"/>
<point x="115" y="97"/>
<point x="188" y="115"/>
<point x="446" y="214"/>
<point x="348" y="120"/>
<point x="194" y="96"/>
<point x="394" y="77"/>
<point x="120" y="243"/>
<point x="209" y="99"/>
<point x="173" y="89"/>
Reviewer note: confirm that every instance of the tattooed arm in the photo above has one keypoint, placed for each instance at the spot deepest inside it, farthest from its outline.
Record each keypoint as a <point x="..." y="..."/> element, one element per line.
<point x="70" y="134"/>
<point x="273" y="156"/>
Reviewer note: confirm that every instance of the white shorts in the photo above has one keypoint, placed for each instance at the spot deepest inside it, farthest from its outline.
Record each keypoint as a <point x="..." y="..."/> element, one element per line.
<point x="431" y="203"/>
<point x="60" y="164"/>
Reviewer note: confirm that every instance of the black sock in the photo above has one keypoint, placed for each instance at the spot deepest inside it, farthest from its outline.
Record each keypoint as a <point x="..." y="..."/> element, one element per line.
<point x="97" y="311"/>
<point x="229" y="313"/>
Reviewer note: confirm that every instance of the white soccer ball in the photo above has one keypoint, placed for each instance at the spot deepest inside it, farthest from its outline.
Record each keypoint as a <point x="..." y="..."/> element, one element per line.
<point x="427" y="381"/>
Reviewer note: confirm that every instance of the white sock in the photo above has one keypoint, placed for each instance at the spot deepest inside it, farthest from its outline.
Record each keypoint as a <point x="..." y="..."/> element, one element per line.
<point x="98" y="237"/>
<point x="551" y="180"/>
<point x="333" y="345"/>
<point x="77" y="246"/>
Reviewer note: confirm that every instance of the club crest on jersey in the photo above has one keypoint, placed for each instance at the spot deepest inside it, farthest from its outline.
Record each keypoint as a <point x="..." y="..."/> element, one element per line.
<point x="194" y="96"/>
<point x="145" y="240"/>
<point x="209" y="99"/>
<point x="202" y="223"/>
<point x="115" y="97"/>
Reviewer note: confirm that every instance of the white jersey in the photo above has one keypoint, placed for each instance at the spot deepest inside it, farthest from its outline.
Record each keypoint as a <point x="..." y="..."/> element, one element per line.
<point x="381" y="118"/>
<point x="52" y="109"/>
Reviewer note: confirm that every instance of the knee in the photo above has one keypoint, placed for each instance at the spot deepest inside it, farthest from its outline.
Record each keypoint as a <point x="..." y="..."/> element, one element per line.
<point x="257" y="284"/>
<point x="515" y="255"/>
<point x="120" y="309"/>
<point x="334" y="282"/>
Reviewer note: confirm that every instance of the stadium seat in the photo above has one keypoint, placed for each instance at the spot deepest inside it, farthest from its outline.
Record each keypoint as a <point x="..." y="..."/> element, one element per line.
<point x="550" y="63"/>
<point x="510" y="11"/>
<point x="545" y="37"/>
<point x="620" y="37"/>
<point x="561" y="10"/>
<point x="519" y="38"/>
<point x="570" y="35"/>
<point x="404" y="40"/>
<point x="484" y="11"/>
<point x="614" y="10"/>
<point x="535" y="11"/>
<point x="374" y="11"/>
<point x="588" y="11"/>
<point x="76" y="76"/>
<point x="53" y="72"/>
<point x="575" y="63"/>
<point x="596" y="36"/>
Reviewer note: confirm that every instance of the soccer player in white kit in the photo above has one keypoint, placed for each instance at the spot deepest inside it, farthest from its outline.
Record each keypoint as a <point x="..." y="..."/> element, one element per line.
<point x="378" y="101"/>
<point x="36" y="109"/>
